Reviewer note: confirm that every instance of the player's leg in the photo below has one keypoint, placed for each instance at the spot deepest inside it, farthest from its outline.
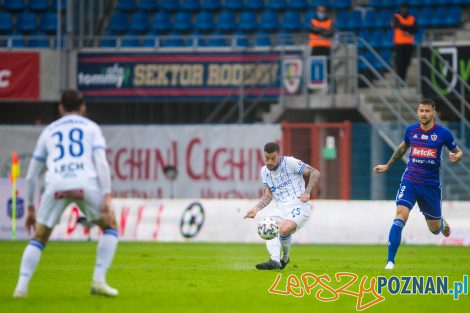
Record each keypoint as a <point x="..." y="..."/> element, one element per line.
<point x="405" y="201"/>
<point x="100" y="213"/>
<point x="429" y="202"/>
<point x="274" y="248"/>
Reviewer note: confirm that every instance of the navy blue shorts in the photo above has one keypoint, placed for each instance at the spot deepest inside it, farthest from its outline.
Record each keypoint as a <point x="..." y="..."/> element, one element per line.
<point x="428" y="198"/>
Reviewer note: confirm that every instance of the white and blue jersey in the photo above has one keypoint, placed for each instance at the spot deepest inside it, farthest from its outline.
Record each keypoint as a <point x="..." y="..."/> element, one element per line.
<point x="66" y="146"/>
<point x="286" y="182"/>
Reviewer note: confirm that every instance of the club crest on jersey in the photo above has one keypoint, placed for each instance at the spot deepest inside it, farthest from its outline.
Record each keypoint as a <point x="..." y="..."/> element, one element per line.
<point x="423" y="136"/>
<point x="415" y="136"/>
<point x="433" y="137"/>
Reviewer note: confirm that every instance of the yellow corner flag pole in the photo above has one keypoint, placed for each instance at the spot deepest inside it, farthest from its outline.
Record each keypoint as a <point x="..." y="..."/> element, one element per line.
<point x="15" y="173"/>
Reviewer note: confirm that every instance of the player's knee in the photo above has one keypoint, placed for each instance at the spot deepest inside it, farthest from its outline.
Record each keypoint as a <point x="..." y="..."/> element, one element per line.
<point x="402" y="213"/>
<point x="286" y="229"/>
<point x="434" y="228"/>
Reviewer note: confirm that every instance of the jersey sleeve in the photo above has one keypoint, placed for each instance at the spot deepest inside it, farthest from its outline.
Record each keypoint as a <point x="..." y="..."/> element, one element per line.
<point x="40" y="152"/>
<point x="406" y="138"/>
<point x="295" y="165"/>
<point x="98" y="139"/>
<point x="450" y="141"/>
<point x="263" y="178"/>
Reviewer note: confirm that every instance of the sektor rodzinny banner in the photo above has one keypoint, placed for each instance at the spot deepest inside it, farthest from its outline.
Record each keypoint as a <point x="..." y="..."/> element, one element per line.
<point x="188" y="75"/>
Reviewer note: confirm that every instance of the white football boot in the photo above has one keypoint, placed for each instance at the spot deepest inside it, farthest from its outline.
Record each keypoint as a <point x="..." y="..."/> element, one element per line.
<point x="18" y="294"/>
<point x="102" y="289"/>
<point x="390" y="266"/>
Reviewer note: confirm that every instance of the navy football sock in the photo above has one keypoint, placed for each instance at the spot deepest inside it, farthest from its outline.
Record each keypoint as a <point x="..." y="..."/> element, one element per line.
<point x="394" y="239"/>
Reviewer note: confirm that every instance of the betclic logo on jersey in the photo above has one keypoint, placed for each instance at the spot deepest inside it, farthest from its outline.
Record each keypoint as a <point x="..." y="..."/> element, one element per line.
<point x="423" y="152"/>
<point x="375" y="287"/>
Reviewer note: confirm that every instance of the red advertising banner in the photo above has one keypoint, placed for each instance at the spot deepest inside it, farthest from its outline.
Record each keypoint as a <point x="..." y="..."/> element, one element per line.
<point x="19" y="75"/>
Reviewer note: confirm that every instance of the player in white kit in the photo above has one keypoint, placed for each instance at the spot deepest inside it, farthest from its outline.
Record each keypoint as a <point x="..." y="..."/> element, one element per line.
<point x="73" y="149"/>
<point x="283" y="179"/>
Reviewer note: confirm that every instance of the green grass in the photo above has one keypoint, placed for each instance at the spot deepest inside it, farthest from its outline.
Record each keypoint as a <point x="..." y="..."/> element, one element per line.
<point x="190" y="277"/>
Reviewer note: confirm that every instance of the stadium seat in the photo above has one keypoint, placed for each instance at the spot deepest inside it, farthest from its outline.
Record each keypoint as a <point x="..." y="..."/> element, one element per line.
<point x="234" y="4"/>
<point x="262" y="39"/>
<point x="254" y="4"/>
<point x="241" y="40"/>
<point x="119" y="22"/>
<point x="315" y="3"/>
<point x="55" y="3"/>
<point x="454" y="16"/>
<point x="386" y="54"/>
<point x="39" y="5"/>
<point x="126" y="5"/>
<point x="298" y="4"/>
<point x="383" y="18"/>
<point x="183" y="22"/>
<point x="284" y="39"/>
<point x="170" y="5"/>
<point x="26" y="22"/>
<point x="139" y="22"/>
<point x="16" y="40"/>
<point x="197" y="39"/>
<point x="387" y="40"/>
<point x="161" y="22"/>
<point x="151" y="39"/>
<point x="6" y="22"/>
<point x="148" y="5"/>
<point x="108" y="40"/>
<point x="375" y="38"/>
<point x="173" y="40"/>
<point x="212" y="5"/>
<point x="130" y="40"/>
<point x="307" y="19"/>
<point x="190" y="5"/>
<point x="227" y="21"/>
<point x="341" y="4"/>
<point x="424" y="17"/>
<point x="355" y="20"/>
<point x="369" y="20"/>
<point x="276" y="5"/>
<point x="216" y="39"/>
<point x="269" y="21"/>
<point x="48" y="22"/>
<point x="247" y="21"/>
<point x="342" y="20"/>
<point x="364" y="34"/>
<point x="204" y="21"/>
<point x="38" y="40"/>
<point x="291" y="21"/>
<point x="14" y="5"/>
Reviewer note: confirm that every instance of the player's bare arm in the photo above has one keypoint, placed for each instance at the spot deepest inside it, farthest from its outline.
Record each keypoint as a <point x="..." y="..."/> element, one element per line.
<point x="313" y="176"/>
<point x="455" y="155"/>
<point x="30" y="221"/>
<point x="397" y="155"/>
<point x="262" y="203"/>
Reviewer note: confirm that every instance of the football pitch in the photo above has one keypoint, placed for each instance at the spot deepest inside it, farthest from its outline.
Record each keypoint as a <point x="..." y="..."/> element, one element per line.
<point x="203" y="277"/>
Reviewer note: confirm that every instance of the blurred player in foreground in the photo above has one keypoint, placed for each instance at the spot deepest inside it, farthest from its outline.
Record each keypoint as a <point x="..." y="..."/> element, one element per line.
<point x="73" y="149"/>
<point x="420" y="181"/>
<point x="282" y="178"/>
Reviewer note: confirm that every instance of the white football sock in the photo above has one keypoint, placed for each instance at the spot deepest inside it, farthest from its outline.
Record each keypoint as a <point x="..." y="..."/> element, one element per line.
<point x="29" y="262"/>
<point x="274" y="248"/>
<point x="286" y="243"/>
<point x="105" y="254"/>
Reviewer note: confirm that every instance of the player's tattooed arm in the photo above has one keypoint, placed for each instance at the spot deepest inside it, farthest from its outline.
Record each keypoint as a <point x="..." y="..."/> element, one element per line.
<point x="455" y="155"/>
<point x="313" y="176"/>
<point x="397" y="155"/>
<point x="262" y="203"/>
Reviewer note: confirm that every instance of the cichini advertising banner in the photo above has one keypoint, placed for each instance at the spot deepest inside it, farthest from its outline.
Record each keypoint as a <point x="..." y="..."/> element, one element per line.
<point x="19" y="75"/>
<point x="212" y="161"/>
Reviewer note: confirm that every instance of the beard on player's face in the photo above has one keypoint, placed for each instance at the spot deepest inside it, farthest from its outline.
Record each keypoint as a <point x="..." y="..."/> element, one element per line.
<point x="272" y="160"/>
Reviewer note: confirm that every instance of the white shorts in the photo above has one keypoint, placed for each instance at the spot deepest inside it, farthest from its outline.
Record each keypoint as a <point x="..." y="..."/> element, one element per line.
<point x="297" y="211"/>
<point x="54" y="202"/>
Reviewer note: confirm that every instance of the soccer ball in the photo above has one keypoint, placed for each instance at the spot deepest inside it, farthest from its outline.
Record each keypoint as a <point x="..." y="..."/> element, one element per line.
<point x="268" y="228"/>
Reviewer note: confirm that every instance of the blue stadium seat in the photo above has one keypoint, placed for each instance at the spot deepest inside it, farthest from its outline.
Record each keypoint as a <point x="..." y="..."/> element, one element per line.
<point x="190" y="5"/>
<point x="17" y="40"/>
<point x="342" y="20"/>
<point x="126" y="5"/>
<point x="6" y="22"/>
<point x="378" y="3"/>
<point x="387" y="40"/>
<point x="38" y="40"/>
<point x="48" y="22"/>
<point x="383" y="18"/>
<point x="291" y="21"/>
<point x="315" y="3"/>
<point x="148" y="5"/>
<point x="108" y="40"/>
<point x="140" y="22"/>
<point x="170" y="5"/>
<point x="119" y="22"/>
<point x="355" y="20"/>
<point x="183" y="22"/>
<point x="262" y="39"/>
<point x="212" y="5"/>
<point x="369" y="20"/>
<point x="150" y="40"/>
<point x="269" y="21"/>
<point x="364" y="34"/>
<point x="204" y="21"/>
<point x="55" y="3"/>
<point x="174" y="40"/>
<point x="417" y="3"/>
<point x="161" y="22"/>
<point x="216" y="39"/>
<point x="341" y="4"/>
<point x="386" y="54"/>
<point x="38" y="5"/>
<point x="241" y="40"/>
<point x="298" y="4"/>
<point x="454" y="16"/>
<point x="375" y="38"/>
<point x="424" y="17"/>
<point x="276" y="4"/>
<point x="254" y="4"/>
<point x="14" y="5"/>
<point x="197" y="39"/>
<point x="307" y="19"/>
<point x="247" y="21"/>
<point x="26" y="22"/>
<point x="284" y="39"/>
<point x="234" y="4"/>
<point x="130" y="40"/>
<point x="227" y="21"/>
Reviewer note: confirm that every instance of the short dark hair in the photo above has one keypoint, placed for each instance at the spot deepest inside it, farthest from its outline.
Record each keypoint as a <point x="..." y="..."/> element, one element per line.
<point x="271" y="147"/>
<point x="71" y="100"/>
<point x="427" y="101"/>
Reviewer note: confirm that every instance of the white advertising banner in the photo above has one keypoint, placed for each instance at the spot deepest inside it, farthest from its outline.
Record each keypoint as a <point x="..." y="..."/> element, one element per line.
<point x="212" y="161"/>
<point x="201" y="220"/>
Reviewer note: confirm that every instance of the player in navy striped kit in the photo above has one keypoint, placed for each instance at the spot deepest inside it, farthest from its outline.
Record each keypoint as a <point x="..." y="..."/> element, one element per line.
<point x="420" y="182"/>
